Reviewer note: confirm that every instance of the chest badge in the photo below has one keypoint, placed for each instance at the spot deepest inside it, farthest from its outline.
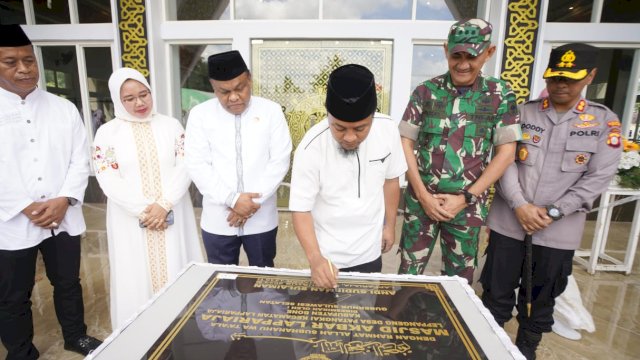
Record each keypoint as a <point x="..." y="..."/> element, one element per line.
<point x="536" y="139"/>
<point x="581" y="159"/>
<point x="523" y="153"/>
<point x="586" y="117"/>
<point x="526" y="136"/>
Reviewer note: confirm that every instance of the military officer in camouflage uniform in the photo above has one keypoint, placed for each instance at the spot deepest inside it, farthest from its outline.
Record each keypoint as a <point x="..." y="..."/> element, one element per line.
<point x="568" y="154"/>
<point x="451" y="126"/>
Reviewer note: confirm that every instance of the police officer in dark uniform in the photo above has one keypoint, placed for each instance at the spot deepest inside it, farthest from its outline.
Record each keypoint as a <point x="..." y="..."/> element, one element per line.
<point x="568" y="155"/>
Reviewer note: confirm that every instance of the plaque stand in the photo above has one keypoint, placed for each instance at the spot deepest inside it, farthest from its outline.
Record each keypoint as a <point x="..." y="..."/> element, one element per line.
<point x="590" y="259"/>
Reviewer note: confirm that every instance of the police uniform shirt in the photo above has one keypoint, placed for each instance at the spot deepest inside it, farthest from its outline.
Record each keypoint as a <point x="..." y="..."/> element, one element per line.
<point x="43" y="155"/>
<point x="566" y="161"/>
<point x="345" y="193"/>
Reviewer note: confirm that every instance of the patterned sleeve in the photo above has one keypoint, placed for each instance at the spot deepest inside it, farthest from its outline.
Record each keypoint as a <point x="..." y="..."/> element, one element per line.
<point x="108" y="173"/>
<point x="412" y="119"/>
<point x="507" y="127"/>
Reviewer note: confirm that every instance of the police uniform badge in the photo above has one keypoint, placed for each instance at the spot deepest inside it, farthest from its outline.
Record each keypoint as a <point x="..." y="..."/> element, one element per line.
<point x="614" y="139"/>
<point x="526" y="136"/>
<point x="574" y="61"/>
<point x="536" y="139"/>
<point x="523" y="153"/>
<point x="581" y="159"/>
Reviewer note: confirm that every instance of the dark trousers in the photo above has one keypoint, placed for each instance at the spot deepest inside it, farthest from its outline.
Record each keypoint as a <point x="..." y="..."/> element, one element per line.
<point x="502" y="275"/>
<point x="374" y="266"/>
<point x="61" y="255"/>
<point x="225" y="249"/>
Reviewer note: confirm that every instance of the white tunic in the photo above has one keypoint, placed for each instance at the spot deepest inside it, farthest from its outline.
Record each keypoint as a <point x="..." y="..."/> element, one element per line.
<point x="212" y="162"/>
<point x="345" y="193"/>
<point x="43" y="155"/>
<point x="142" y="261"/>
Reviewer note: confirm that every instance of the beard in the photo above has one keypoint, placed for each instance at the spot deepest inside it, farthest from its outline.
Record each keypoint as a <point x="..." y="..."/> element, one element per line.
<point x="347" y="152"/>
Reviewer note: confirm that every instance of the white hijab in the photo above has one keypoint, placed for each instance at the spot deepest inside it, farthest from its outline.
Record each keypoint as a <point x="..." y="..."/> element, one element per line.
<point x="115" y="83"/>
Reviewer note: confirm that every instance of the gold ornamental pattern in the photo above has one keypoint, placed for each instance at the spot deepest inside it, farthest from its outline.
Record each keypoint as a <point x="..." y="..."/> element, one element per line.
<point x="520" y="45"/>
<point x="133" y="35"/>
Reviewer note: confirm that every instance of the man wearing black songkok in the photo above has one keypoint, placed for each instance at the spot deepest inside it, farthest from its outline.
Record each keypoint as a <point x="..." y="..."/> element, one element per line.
<point x="237" y="151"/>
<point x="344" y="184"/>
<point x="45" y="162"/>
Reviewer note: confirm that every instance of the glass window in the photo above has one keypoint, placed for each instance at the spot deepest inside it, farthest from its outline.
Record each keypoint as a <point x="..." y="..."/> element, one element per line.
<point x="428" y="62"/>
<point x="51" y="11"/>
<point x="95" y="11"/>
<point x="61" y="73"/>
<point x="194" y="74"/>
<point x="98" y="61"/>
<point x="199" y="10"/>
<point x="446" y="9"/>
<point x="367" y="9"/>
<point x="621" y="11"/>
<point x="276" y="9"/>
<point x="12" y="12"/>
<point x="612" y="79"/>
<point x="569" y="11"/>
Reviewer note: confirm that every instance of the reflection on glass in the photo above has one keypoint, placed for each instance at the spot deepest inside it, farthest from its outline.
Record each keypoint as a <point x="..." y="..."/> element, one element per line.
<point x="428" y="62"/>
<point x="12" y="12"/>
<point x="194" y="74"/>
<point x="199" y="10"/>
<point x="51" y="11"/>
<point x="367" y="9"/>
<point x="98" y="71"/>
<point x="446" y="9"/>
<point x="94" y="11"/>
<point x="569" y="11"/>
<point x="277" y="9"/>
<point x="61" y="73"/>
<point x="620" y="11"/>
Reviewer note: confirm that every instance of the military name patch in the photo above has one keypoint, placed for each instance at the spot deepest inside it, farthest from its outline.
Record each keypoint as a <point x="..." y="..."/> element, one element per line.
<point x="586" y="124"/>
<point x="581" y="159"/>
<point x="584" y="133"/>
<point x="523" y="153"/>
<point x="613" y="140"/>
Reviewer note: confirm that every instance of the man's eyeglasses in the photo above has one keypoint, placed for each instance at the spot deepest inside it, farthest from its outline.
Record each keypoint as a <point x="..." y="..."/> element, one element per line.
<point x="143" y="96"/>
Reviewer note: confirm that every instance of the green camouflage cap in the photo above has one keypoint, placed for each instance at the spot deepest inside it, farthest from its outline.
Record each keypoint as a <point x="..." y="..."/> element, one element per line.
<point x="472" y="36"/>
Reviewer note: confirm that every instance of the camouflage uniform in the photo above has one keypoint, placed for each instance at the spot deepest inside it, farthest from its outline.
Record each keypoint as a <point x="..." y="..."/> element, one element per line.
<point x="453" y="137"/>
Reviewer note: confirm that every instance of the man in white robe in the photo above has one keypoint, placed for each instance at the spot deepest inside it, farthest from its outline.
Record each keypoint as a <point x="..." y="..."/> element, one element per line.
<point x="237" y="151"/>
<point x="45" y="168"/>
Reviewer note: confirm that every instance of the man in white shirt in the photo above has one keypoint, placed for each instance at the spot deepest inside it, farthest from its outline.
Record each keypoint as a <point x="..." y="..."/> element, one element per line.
<point x="237" y="150"/>
<point x="45" y="168"/>
<point x="344" y="184"/>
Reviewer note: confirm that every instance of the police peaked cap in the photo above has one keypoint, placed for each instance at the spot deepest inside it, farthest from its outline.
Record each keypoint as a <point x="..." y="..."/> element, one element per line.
<point x="574" y="61"/>
<point x="13" y="36"/>
<point x="226" y="66"/>
<point x="351" y="93"/>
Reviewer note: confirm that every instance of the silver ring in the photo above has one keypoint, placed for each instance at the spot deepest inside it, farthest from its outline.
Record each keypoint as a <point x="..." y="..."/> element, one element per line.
<point x="54" y="224"/>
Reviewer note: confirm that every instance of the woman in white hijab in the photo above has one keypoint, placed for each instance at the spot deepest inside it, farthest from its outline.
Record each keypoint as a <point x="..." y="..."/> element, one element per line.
<point x="151" y="227"/>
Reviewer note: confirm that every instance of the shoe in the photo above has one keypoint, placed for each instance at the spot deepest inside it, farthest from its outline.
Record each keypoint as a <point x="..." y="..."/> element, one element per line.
<point x="566" y="332"/>
<point x="527" y="342"/>
<point x="83" y="345"/>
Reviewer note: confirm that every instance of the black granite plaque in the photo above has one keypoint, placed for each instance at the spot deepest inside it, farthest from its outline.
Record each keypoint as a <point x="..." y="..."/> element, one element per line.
<point x="271" y="317"/>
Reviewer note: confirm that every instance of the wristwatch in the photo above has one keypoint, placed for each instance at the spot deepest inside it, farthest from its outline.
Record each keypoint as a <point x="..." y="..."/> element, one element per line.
<point x="469" y="198"/>
<point x="71" y="201"/>
<point x="554" y="212"/>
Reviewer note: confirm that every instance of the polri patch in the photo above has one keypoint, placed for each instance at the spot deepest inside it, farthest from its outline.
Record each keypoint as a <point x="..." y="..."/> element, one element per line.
<point x="613" y="140"/>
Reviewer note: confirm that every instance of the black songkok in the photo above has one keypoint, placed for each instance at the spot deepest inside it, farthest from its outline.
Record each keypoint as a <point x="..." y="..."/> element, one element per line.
<point x="226" y="66"/>
<point x="13" y="36"/>
<point x="351" y="93"/>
